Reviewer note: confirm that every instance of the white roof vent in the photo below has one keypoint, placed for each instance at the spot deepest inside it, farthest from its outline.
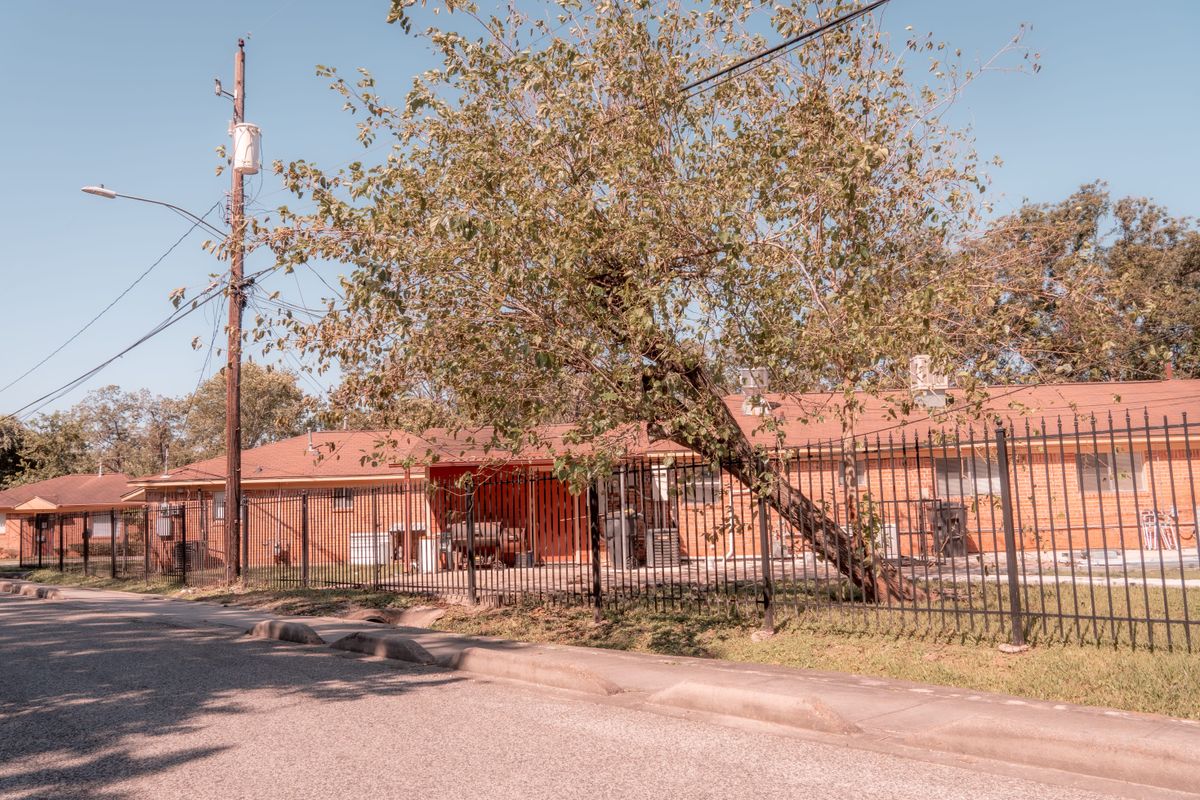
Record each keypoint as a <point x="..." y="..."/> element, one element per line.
<point x="928" y="387"/>
<point x="754" y="382"/>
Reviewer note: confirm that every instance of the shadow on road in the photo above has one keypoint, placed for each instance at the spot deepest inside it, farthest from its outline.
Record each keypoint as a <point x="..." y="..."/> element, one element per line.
<point x="90" y="701"/>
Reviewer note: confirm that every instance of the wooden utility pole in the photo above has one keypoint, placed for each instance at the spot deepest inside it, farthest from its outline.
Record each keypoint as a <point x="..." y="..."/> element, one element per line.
<point x="233" y="366"/>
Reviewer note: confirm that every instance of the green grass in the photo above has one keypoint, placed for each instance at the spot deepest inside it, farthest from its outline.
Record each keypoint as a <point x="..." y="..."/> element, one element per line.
<point x="1107" y="675"/>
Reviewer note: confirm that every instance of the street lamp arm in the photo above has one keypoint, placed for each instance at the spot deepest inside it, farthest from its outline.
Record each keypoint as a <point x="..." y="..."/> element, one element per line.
<point x="101" y="191"/>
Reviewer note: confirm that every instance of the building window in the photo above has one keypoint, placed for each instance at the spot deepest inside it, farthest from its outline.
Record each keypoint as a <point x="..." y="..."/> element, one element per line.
<point x="343" y="499"/>
<point x="1101" y="473"/>
<point x="966" y="477"/>
<point x="700" y="485"/>
<point x="101" y="526"/>
<point x="218" y="506"/>
<point x="3" y="523"/>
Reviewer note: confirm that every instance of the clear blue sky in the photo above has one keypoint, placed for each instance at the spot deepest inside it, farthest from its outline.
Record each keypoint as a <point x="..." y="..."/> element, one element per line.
<point x="121" y="93"/>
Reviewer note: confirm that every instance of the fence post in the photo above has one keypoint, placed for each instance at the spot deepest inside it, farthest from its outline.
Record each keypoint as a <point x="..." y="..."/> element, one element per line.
<point x="61" y="546"/>
<point x="768" y="580"/>
<point x="112" y="544"/>
<point x="244" y="538"/>
<point x="594" y="534"/>
<point x="87" y="544"/>
<point x="39" y="534"/>
<point x="146" y="541"/>
<point x="304" y="539"/>
<point x="375" y="535"/>
<point x="472" y="597"/>
<point x="183" y="550"/>
<point x="1010" y="537"/>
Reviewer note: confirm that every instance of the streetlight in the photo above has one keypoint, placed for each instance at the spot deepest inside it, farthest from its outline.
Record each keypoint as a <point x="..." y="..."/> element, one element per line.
<point x="233" y="423"/>
<point x="104" y="191"/>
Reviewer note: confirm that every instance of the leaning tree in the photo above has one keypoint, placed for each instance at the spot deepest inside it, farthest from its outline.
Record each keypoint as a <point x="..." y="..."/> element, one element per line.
<point x="562" y="230"/>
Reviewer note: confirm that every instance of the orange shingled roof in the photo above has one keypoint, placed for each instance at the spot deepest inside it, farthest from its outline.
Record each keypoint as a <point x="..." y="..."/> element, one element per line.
<point x="812" y="418"/>
<point x="68" y="491"/>
<point x="803" y="419"/>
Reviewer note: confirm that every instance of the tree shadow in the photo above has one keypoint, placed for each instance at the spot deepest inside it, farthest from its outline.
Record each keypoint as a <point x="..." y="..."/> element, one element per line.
<point x="91" y="700"/>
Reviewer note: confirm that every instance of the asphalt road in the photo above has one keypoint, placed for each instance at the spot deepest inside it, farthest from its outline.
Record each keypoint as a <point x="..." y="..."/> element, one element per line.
<point x="95" y="706"/>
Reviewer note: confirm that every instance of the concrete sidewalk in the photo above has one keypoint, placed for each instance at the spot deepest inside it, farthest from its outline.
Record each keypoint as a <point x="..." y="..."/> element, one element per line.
<point x="1142" y="749"/>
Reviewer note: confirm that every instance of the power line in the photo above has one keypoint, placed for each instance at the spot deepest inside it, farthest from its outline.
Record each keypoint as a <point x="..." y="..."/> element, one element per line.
<point x="105" y="310"/>
<point x="211" y="293"/>
<point x="772" y="52"/>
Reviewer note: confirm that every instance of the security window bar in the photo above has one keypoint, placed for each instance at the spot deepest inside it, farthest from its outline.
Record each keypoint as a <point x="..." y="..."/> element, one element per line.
<point x="343" y="499"/>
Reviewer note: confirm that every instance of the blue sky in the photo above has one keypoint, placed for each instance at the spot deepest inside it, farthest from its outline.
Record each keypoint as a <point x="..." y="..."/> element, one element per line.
<point x="120" y="93"/>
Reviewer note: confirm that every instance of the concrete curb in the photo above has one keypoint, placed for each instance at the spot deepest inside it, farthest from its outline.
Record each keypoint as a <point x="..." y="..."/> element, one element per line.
<point x="385" y="645"/>
<point x="414" y="617"/>
<point x="797" y="711"/>
<point x="31" y="590"/>
<point x="285" y="631"/>
<point x="530" y="666"/>
<point x="1151" y="760"/>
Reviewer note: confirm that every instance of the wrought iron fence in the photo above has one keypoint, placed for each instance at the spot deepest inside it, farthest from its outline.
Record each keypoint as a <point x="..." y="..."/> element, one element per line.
<point x="1064" y="530"/>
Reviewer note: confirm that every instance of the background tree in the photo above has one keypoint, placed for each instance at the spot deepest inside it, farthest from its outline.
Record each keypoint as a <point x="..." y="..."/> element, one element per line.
<point x="560" y="232"/>
<point x="55" y="444"/>
<point x="273" y="407"/>
<point x="1107" y="290"/>
<point x="12" y="443"/>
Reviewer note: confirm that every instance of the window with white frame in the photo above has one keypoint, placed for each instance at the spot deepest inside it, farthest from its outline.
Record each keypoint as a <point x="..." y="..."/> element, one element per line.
<point x="343" y="499"/>
<point x="1101" y="473"/>
<point x="700" y="484"/>
<point x="3" y="523"/>
<point x="101" y="525"/>
<point x="218" y="506"/>
<point x="966" y="476"/>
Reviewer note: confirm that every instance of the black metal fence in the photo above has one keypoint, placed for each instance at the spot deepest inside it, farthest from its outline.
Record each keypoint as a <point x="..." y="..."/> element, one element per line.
<point x="1080" y="530"/>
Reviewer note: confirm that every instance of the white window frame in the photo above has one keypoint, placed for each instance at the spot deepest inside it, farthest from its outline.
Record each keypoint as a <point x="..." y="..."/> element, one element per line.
<point x="1109" y="472"/>
<point x="967" y="480"/>
<point x="103" y="521"/>
<point x="218" y="506"/>
<point x="701" y="484"/>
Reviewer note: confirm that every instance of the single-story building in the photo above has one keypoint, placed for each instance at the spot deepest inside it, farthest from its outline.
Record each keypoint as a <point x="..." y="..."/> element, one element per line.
<point x="1093" y="465"/>
<point x="68" y="518"/>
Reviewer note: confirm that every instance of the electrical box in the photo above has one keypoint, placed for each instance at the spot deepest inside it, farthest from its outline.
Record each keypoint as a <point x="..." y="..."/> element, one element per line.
<point x="247" y="148"/>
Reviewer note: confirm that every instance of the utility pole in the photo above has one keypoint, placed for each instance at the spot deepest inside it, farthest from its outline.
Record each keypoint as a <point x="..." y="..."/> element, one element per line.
<point x="233" y="366"/>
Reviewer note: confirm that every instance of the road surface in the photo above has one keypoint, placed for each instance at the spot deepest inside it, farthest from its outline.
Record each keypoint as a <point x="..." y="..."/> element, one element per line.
<point x="96" y="706"/>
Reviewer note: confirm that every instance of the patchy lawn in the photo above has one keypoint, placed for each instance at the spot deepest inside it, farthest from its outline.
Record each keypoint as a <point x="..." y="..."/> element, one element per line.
<point x="1153" y="682"/>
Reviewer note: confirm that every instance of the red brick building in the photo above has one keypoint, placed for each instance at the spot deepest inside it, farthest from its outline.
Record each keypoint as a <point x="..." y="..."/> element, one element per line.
<point x="1103" y="465"/>
<point x="41" y="519"/>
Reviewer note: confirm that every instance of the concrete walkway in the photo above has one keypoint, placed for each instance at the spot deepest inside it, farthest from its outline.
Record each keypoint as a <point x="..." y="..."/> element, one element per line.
<point x="869" y="713"/>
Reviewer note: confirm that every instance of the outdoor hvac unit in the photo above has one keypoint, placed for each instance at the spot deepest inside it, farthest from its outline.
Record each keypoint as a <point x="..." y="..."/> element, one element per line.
<point x="247" y="148"/>
<point x="370" y="548"/>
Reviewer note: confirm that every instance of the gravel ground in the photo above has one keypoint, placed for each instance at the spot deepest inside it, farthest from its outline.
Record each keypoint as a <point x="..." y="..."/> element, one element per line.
<point x="96" y="706"/>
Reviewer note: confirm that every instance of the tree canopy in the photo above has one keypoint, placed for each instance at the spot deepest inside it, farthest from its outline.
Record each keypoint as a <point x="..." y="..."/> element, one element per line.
<point x="139" y="433"/>
<point x="563" y="232"/>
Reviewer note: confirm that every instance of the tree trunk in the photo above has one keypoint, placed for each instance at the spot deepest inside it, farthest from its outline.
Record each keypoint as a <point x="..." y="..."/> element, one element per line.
<point x="877" y="579"/>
